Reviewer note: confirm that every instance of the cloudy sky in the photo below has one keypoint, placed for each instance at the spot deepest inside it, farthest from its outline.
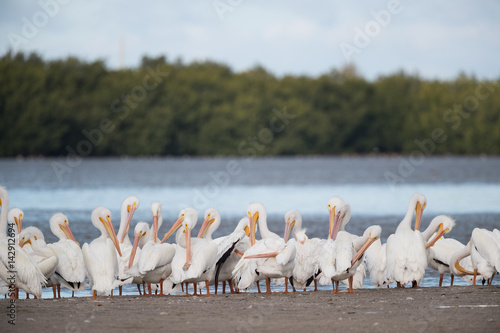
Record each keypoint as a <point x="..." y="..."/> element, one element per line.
<point x="437" y="39"/>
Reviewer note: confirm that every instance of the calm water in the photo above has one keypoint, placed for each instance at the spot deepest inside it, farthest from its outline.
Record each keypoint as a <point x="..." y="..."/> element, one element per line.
<point x="378" y="189"/>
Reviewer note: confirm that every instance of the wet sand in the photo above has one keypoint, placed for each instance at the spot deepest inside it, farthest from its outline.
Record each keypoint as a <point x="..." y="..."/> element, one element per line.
<point x="455" y="309"/>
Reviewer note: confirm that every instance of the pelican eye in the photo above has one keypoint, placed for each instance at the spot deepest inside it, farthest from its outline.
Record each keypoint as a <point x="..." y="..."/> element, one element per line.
<point x="35" y="238"/>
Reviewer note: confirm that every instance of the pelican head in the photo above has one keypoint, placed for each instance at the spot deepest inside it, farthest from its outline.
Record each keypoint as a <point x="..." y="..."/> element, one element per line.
<point x="141" y="229"/>
<point x="60" y="227"/>
<point x="244" y="224"/>
<point x="443" y="223"/>
<point x="211" y="221"/>
<point x="30" y="235"/>
<point x="418" y="203"/>
<point x="255" y="211"/>
<point x="190" y="213"/>
<point x="371" y="234"/>
<point x="156" y="212"/>
<point x="101" y="219"/>
<point x="128" y="208"/>
<point x="301" y="236"/>
<point x="293" y="219"/>
<point x="340" y="214"/>
<point x="15" y="218"/>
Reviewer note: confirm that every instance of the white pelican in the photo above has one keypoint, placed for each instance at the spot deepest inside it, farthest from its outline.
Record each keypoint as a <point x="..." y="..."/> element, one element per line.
<point x="230" y="248"/>
<point x="195" y="258"/>
<point x="22" y="273"/>
<point x="342" y="254"/>
<point x="484" y="249"/>
<point x="71" y="270"/>
<point x="154" y="263"/>
<point x="375" y="259"/>
<point x="269" y="258"/>
<point x="438" y="249"/>
<point x="45" y="257"/>
<point x="439" y="258"/>
<point x="307" y="252"/>
<point x="127" y="209"/>
<point x="100" y="257"/>
<point x="406" y="254"/>
<point x="340" y="211"/>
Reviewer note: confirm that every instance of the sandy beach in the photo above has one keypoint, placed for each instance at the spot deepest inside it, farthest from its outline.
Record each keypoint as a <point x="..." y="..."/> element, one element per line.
<point x="376" y="310"/>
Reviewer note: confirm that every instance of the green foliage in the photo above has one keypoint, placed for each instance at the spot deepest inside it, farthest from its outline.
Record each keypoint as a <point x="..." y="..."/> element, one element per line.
<point x="170" y="108"/>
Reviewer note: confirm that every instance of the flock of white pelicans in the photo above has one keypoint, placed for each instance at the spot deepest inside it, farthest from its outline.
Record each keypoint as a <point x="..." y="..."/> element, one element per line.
<point x="238" y="259"/>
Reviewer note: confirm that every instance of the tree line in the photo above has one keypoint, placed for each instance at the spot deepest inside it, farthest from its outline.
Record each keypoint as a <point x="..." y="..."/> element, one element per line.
<point x="162" y="107"/>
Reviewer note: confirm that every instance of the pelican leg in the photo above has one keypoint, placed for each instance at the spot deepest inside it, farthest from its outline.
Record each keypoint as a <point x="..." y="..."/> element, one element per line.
<point x="149" y="289"/>
<point x="230" y="283"/>
<point x="72" y="294"/>
<point x="161" y="288"/>
<point x="54" y="290"/>
<point x="223" y="287"/>
<point x="258" y="286"/>
<point x="58" y="291"/>
<point x="35" y="297"/>
<point x="333" y="286"/>
<point x="440" y="280"/>
<point x="475" y="275"/>
<point x="268" y="286"/>
<point x="315" y="285"/>
<point x="452" y="277"/>
<point x="111" y="295"/>
<point x="195" y="289"/>
<point x="139" y="288"/>
<point x="351" y="278"/>
<point x="94" y="294"/>
<point x="120" y="290"/>
<point x="144" y="287"/>
<point x="491" y="280"/>
<point x="414" y="284"/>
<point x="337" y="285"/>
<point x="182" y="286"/>
<point x="27" y="296"/>
<point x="187" y="292"/>
<point x="208" y="289"/>
<point x="286" y="286"/>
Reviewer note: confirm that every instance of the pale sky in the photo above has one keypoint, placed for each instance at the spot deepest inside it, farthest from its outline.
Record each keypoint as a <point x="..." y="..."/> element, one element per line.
<point x="436" y="39"/>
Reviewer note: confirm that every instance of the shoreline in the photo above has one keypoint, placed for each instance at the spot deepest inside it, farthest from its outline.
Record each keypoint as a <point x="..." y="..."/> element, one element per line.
<point x="429" y="309"/>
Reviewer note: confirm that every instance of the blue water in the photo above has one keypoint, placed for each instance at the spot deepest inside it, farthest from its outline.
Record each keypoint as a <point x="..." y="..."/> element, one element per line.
<point x="377" y="188"/>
